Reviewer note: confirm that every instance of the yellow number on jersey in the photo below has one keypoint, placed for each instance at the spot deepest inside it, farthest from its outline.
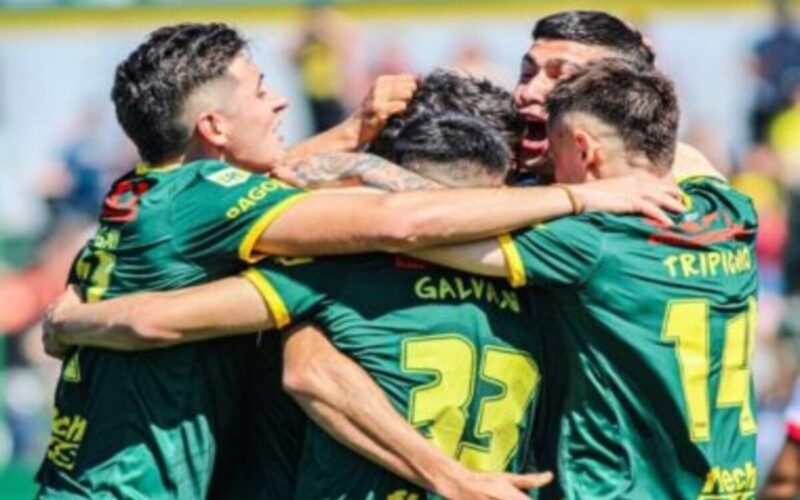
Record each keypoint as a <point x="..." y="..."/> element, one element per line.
<point x="687" y="323"/>
<point x="734" y="386"/>
<point x="442" y="404"/>
<point x="98" y="277"/>
<point x="500" y="415"/>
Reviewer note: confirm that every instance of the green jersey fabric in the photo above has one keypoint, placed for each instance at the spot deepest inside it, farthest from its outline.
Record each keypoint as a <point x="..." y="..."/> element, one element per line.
<point x="149" y="424"/>
<point x="452" y="352"/>
<point x="658" y="325"/>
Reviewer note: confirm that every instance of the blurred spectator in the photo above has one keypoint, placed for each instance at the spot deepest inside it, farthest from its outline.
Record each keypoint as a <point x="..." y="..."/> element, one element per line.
<point x="93" y="154"/>
<point x="471" y="58"/>
<point x="392" y="59"/>
<point x="710" y="143"/>
<point x="776" y="60"/>
<point x="319" y="57"/>
<point x="784" y="137"/>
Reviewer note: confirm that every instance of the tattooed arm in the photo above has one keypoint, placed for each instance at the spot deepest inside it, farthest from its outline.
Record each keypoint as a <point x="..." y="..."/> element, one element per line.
<point x="350" y="169"/>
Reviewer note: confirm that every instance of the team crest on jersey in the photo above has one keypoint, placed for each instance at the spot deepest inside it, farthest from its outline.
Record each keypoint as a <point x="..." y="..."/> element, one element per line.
<point x="229" y="177"/>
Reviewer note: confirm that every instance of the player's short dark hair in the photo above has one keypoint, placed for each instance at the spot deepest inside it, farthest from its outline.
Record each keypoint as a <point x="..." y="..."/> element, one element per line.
<point x="638" y="101"/>
<point x="151" y="86"/>
<point x="595" y="28"/>
<point x="446" y="140"/>
<point x="446" y="91"/>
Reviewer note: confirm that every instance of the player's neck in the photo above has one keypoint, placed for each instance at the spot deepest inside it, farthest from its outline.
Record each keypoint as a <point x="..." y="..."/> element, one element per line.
<point x="620" y="166"/>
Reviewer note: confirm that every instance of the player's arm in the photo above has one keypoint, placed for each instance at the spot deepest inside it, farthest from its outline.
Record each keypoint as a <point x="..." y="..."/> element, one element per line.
<point x="388" y="96"/>
<point x="515" y="256"/>
<point x="328" y="223"/>
<point x="689" y="162"/>
<point x="484" y="257"/>
<point x="339" y="169"/>
<point x="344" y="400"/>
<point x="142" y="321"/>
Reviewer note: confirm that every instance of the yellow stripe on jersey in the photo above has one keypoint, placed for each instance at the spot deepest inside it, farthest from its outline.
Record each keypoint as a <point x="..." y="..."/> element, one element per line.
<point x="514" y="267"/>
<point x="250" y="239"/>
<point x="280" y="315"/>
<point x="146" y="168"/>
<point x="699" y="177"/>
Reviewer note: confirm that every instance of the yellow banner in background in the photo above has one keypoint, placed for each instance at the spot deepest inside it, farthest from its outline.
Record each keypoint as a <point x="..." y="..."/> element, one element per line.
<point x="99" y="17"/>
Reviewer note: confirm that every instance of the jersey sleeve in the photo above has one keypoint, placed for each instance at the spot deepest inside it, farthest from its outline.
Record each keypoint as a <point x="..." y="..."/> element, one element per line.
<point x="561" y="252"/>
<point x="223" y="210"/>
<point x="293" y="288"/>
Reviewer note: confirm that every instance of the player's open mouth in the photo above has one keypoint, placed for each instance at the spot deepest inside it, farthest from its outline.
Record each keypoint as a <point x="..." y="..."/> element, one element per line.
<point x="534" y="140"/>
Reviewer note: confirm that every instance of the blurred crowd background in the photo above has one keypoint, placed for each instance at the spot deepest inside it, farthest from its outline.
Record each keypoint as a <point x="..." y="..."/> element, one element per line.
<point x="736" y="64"/>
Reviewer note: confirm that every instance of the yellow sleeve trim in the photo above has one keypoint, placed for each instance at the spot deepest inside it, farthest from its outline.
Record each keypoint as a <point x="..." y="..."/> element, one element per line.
<point x="514" y="267"/>
<point x="250" y="239"/>
<point x="280" y="315"/>
<point x="146" y="168"/>
<point x="698" y="177"/>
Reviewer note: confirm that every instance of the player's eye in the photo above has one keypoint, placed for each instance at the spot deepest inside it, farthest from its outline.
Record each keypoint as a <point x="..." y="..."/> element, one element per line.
<point x="527" y="72"/>
<point x="554" y="70"/>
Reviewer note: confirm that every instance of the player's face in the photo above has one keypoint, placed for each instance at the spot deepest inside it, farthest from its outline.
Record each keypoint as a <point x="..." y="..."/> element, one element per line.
<point x="545" y="63"/>
<point x="568" y="154"/>
<point x="254" y="116"/>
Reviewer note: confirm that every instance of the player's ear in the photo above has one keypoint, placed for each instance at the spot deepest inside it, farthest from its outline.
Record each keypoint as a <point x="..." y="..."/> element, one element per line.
<point x="583" y="143"/>
<point x="589" y="150"/>
<point x="213" y="129"/>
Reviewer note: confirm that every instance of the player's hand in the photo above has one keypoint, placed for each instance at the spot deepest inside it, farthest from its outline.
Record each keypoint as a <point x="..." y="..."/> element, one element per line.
<point x="496" y="486"/>
<point x="639" y="192"/>
<point x="388" y="96"/>
<point x="51" y="327"/>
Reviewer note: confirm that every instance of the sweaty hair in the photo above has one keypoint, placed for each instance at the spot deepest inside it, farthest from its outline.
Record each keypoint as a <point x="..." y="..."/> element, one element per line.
<point x="595" y="28"/>
<point x="152" y="85"/>
<point x="639" y="102"/>
<point x="450" y="141"/>
<point x="445" y="91"/>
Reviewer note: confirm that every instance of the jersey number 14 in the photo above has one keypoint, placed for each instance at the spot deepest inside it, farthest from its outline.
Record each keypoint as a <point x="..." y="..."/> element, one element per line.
<point x="687" y="324"/>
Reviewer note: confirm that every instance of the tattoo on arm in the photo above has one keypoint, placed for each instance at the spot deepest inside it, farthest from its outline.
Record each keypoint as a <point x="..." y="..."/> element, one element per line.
<point x="343" y="169"/>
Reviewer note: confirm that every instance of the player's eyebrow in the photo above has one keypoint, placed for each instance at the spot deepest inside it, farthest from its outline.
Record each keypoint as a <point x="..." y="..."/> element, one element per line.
<point x="560" y="61"/>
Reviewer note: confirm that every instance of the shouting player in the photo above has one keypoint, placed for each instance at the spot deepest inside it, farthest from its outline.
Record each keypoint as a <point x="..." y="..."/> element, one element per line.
<point x="658" y="321"/>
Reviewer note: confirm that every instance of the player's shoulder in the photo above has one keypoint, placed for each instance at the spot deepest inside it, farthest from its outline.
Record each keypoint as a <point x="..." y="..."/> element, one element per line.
<point x="219" y="173"/>
<point x="211" y="181"/>
<point x="711" y="194"/>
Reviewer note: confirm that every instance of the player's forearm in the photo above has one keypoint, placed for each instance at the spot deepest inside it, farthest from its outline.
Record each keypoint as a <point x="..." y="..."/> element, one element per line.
<point x="349" y="405"/>
<point x="109" y="325"/>
<point x="336" y="169"/>
<point x="161" y="319"/>
<point x="341" y="138"/>
<point x="483" y="257"/>
<point x="429" y="219"/>
<point x="346" y="432"/>
<point x="425" y="465"/>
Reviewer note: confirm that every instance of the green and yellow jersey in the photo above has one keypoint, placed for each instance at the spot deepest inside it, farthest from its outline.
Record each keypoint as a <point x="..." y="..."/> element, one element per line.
<point x="452" y="351"/>
<point x="149" y="424"/>
<point x="658" y="325"/>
